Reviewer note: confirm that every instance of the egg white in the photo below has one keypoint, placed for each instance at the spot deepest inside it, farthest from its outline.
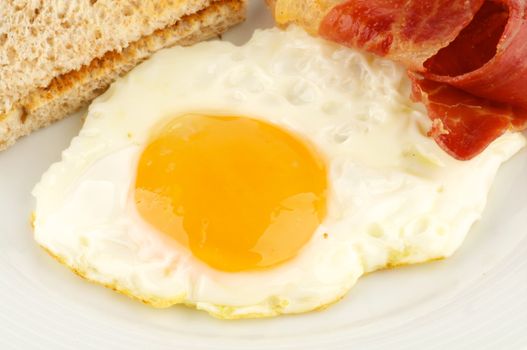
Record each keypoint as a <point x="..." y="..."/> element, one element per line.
<point x="395" y="197"/>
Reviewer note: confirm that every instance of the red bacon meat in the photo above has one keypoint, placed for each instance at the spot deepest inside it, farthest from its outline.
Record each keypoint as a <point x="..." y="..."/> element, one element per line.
<point x="467" y="58"/>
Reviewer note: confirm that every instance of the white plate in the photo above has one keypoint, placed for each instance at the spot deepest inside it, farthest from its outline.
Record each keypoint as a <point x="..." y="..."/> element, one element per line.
<point x="474" y="300"/>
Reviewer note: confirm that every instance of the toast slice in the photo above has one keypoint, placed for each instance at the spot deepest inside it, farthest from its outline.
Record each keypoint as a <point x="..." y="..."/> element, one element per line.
<point x="67" y="92"/>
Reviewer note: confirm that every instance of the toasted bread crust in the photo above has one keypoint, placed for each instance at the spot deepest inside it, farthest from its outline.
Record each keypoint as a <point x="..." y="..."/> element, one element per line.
<point x="41" y="39"/>
<point x="74" y="90"/>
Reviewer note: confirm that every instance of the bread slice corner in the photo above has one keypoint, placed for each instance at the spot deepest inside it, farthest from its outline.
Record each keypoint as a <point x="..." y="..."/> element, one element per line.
<point x="69" y="92"/>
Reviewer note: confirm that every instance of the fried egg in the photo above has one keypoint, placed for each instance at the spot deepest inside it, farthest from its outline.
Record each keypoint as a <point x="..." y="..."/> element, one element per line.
<point x="257" y="180"/>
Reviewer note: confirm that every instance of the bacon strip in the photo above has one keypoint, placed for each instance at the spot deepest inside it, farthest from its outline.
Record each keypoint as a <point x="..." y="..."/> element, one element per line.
<point x="494" y="47"/>
<point x="471" y="56"/>
<point x="409" y="32"/>
<point x="464" y="124"/>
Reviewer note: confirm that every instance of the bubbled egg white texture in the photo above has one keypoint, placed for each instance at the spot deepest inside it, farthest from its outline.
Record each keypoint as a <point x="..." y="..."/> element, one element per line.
<point x="394" y="197"/>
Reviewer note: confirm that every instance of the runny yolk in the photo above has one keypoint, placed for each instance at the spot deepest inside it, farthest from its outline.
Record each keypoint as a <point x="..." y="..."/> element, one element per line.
<point x="241" y="194"/>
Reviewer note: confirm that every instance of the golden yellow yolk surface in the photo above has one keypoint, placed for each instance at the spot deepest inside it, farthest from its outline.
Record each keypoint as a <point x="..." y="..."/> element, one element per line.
<point x="241" y="194"/>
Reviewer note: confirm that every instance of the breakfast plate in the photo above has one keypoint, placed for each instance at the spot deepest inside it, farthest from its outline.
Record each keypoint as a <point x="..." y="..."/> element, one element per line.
<point x="475" y="299"/>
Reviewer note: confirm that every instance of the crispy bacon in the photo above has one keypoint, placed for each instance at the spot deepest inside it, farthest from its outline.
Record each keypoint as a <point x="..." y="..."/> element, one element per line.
<point x="471" y="56"/>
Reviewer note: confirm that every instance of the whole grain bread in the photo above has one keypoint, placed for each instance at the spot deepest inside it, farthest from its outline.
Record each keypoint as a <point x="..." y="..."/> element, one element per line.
<point x="68" y="89"/>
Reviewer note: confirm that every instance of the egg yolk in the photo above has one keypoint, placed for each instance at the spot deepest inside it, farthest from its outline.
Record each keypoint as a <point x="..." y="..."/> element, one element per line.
<point x="241" y="194"/>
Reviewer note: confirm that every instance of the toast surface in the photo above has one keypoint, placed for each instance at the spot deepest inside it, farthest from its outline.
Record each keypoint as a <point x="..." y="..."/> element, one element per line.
<point x="40" y="39"/>
<point x="68" y="92"/>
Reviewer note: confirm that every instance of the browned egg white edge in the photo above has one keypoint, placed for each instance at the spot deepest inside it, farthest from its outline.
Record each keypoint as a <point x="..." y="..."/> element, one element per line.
<point x="160" y="303"/>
